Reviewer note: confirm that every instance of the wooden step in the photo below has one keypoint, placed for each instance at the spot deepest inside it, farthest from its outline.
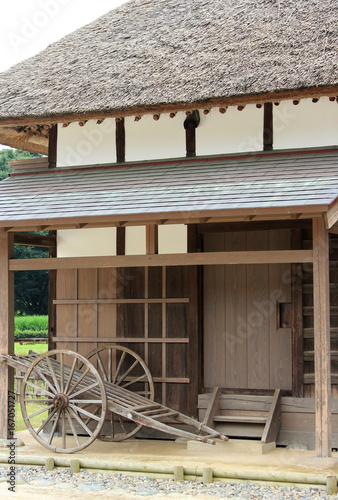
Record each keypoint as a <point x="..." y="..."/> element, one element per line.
<point x="240" y="419"/>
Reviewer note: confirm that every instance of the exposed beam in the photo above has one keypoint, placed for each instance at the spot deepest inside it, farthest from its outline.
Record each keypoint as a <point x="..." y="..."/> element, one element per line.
<point x="332" y="216"/>
<point x="120" y="140"/>
<point x="35" y="240"/>
<point x="211" y="227"/>
<point x="191" y="259"/>
<point x="177" y="217"/>
<point x="329" y="90"/>
<point x="321" y="300"/>
<point x="268" y="127"/>
<point x="52" y="146"/>
<point x="334" y="229"/>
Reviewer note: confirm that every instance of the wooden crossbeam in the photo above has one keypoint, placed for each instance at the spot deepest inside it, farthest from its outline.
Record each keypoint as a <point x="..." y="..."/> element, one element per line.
<point x="36" y="240"/>
<point x="191" y="259"/>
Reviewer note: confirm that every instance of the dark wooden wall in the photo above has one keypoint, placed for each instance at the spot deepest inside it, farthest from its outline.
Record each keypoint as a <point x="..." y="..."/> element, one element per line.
<point x="243" y="348"/>
<point x="307" y="310"/>
<point x="173" y="361"/>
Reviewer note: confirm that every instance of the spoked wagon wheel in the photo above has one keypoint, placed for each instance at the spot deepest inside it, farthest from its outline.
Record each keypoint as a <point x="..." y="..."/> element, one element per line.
<point x="68" y="397"/>
<point x="123" y="367"/>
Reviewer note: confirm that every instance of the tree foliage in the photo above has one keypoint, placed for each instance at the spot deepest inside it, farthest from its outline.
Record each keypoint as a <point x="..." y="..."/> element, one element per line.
<point x="31" y="287"/>
<point x="7" y="155"/>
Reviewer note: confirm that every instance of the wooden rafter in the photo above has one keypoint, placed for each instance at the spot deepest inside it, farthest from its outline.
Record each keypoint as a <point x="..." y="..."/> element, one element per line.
<point x="311" y="92"/>
<point x="181" y="217"/>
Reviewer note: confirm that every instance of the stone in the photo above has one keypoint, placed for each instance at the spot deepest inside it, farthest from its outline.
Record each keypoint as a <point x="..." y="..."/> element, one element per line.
<point x="90" y="487"/>
<point x="74" y="466"/>
<point x="178" y="473"/>
<point x="64" y="486"/>
<point x="49" y="464"/>
<point x="4" y="443"/>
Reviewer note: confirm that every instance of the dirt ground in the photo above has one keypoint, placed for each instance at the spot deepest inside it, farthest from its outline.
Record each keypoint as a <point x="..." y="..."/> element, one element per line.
<point x="31" y="492"/>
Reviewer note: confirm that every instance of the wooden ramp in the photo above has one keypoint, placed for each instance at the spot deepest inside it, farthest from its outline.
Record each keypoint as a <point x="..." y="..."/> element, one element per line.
<point x="242" y="416"/>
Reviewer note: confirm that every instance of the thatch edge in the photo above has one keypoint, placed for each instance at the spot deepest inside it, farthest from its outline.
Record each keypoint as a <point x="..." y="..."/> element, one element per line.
<point x="241" y="100"/>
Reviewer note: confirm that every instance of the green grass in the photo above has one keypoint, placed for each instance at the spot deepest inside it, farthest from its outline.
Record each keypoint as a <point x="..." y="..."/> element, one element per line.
<point x="25" y="348"/>
<point x="31" y="408"/>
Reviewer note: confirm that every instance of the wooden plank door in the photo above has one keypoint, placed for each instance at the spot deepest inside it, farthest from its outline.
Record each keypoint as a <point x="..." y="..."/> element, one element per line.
<point x="243" y="346"/>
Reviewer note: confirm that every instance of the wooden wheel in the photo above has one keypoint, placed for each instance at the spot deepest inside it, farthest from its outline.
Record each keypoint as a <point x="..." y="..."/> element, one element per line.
<point x="68" y="396"/>
<point x="122" y="366"/>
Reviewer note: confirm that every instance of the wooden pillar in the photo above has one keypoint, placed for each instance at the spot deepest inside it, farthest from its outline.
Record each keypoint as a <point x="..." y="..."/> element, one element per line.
<point x="52" y="296"/>
<point x="120" y="139"/>
<point x="6" y="327"/>
<point x="195" y="355"/>
<point x="52" y="146"/>
<point x="297" y="319"/>
<point x="268" y="127"/>
<point x="321" y="298"/>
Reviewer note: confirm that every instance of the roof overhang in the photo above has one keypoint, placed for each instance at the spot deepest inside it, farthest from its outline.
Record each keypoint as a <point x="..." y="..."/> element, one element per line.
<point x="290" y="185"/>
<point x="12" y="135"/>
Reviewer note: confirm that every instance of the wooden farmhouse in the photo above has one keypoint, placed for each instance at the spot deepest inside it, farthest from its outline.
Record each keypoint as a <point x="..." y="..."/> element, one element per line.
<point x="190" y="192"/>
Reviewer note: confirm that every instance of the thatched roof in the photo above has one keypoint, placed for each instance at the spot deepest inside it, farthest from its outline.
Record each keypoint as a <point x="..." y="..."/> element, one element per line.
<point x="150" y="53"/>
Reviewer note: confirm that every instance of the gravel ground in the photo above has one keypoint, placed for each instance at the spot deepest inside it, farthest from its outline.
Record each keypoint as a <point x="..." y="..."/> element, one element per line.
<point x="84" y="481"/>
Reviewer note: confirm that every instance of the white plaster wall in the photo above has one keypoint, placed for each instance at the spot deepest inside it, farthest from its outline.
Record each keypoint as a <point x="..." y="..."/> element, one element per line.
<point x="232" y="132"/>
<point x="173" y="238"/>
<point x="148" y="139"/>
<point x="306" y="125"/>
<point x="86" y="242"/>
<point x="136" y="240"/>
<point x="86" y="145"/>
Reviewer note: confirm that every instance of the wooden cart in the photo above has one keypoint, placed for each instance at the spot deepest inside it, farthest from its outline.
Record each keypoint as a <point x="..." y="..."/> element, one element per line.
<point x="78" y="392"/>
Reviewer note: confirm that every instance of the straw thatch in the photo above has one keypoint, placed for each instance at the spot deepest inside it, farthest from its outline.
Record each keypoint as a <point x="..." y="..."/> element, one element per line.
<point x="154" y="52"/>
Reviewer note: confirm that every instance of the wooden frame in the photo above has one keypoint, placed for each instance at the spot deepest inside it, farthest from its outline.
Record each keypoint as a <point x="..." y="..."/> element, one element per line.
<point x="35" y="240"/>
<point x="297" y="313"/>
<point x="6" y="331"/>
<point x="321" y="298"/>
<point x="120" y="139"/>
<point x="52" y="146"/>
<point x="190" y="259"/>
<point x="191" y="217"/>
<point x="268" y="127"/>
<point x="328" y="90"/>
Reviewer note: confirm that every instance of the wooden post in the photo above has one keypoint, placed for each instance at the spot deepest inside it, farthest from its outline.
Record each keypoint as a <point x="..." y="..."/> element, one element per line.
<point x="297" y="321"/>
<point x="52" y="146"/>
<point x="195" y="356"/>
<point x="120" y="139"/>
<point x="268" y="127"/>
<point x="321" y="298"/>
<point x="6" y="327"/>
<point x="51" y="299"/>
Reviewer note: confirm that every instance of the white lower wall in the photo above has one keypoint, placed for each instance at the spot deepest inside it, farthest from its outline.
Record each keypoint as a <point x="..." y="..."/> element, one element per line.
<point x="88" y="145"/>
<point x="306" y="125"/>
<point x="86" y="242"/>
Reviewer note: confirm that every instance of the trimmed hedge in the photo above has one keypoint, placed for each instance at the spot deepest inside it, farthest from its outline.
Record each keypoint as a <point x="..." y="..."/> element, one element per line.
<point x="30" y="334"/>
<point x="30" y="327"/>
